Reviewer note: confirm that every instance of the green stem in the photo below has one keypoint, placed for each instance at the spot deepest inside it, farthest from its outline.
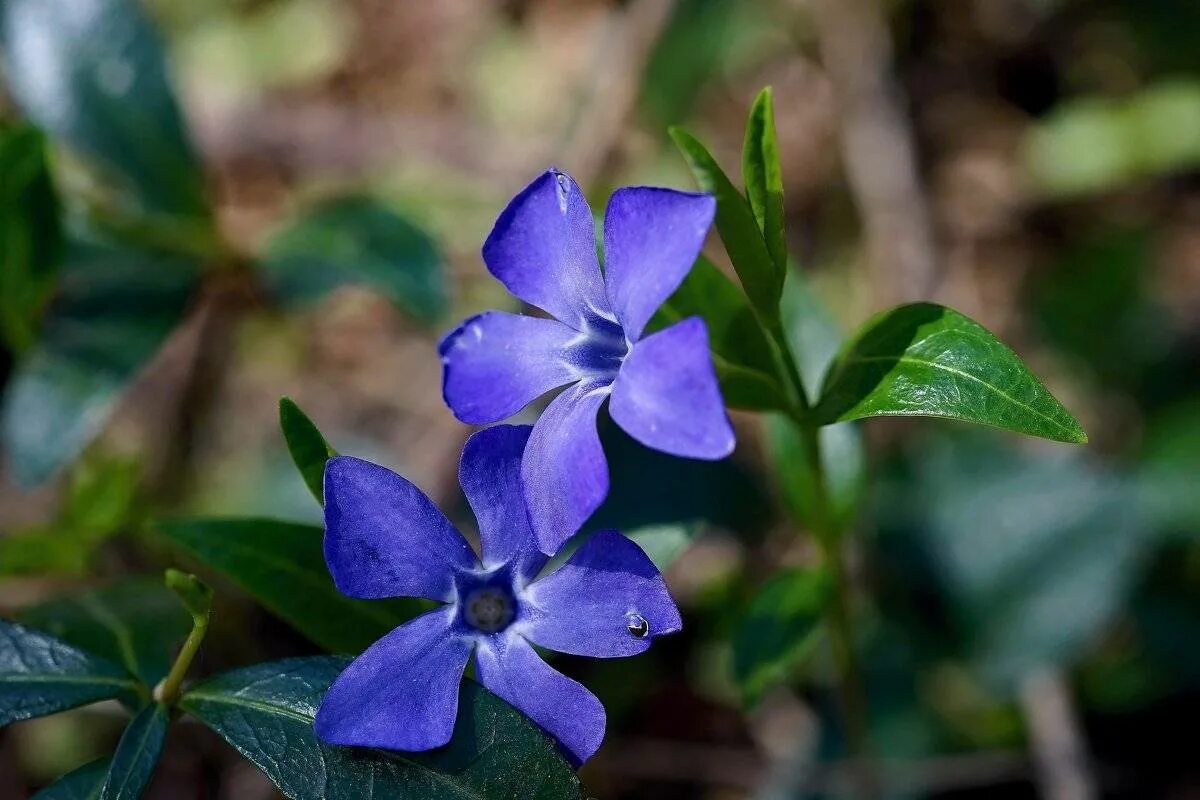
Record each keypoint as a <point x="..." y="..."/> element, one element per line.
<point x="167" y="691"/>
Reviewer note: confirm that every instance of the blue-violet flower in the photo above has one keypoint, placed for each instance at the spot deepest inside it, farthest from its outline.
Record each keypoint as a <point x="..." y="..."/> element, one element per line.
<point x="662" y="388"/>
<point x="384" y="538"/>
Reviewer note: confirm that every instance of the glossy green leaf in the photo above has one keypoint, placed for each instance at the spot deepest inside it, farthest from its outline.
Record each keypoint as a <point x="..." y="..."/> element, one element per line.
<point x="92" y="74"/>
<point x="136" y="623"/>
<point x="137" y="754"/>
<point x="307" y="446"/>
<point x="764" y="177"/>
<point x="761" y="277"/>
<point x="779" y="629"/>
<point x="741" y="351"/>
<point x="112" y="309"/>
<point x="41" y="675"/>
<point x="83" y="783"/>
<point x="928" y="360"/>
<point x="30" y="234"/>
<point x="194" y="593"/>
<point x="266" y="712"/>
<point x="282" y="565"/>
<point x="357" y="241"/>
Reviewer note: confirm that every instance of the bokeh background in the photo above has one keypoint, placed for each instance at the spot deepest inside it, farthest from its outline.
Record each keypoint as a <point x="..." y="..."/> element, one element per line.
<point x="1029" y="612"/>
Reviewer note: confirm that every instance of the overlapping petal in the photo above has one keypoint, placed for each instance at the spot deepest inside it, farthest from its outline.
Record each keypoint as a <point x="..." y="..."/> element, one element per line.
<point x="490" y="475"/>
<point x="402" y="693"/>
<point x="666" y="395"/>
<point x="564" y="470"/>
<point x="587" y="605"/>
<point x="384" y="538"/>
<point x="543" y="249"/>
<point x="496" y="363"/>
<point x="652" y="237"/>
<point x="510" y="668"/>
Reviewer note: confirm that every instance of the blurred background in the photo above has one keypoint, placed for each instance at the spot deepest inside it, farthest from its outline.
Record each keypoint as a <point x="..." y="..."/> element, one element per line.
<point x="1029" y="612"/>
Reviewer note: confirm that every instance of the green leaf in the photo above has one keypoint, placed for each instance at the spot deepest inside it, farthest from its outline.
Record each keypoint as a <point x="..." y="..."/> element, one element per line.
<point x="40" y="675"/>
<point x="779" y="629"/>
<point x="764" y="177"/>
<point x="137" y="754"/>
<point x="928" y="360"/>
<point x="136" y="623"/>
<point x="194" y="593"/>
<point x="30" y="234"/>
<point x="307" y="446"/>
<point x="266" y="712"/>
<point x="761" y="277"/>
<point x="282" y="565"/>
<point x="741" y="351"/>
<point x="356" y="241"/>
<point x="93" y="75"/>
<point x="112" y="309"/>
<point x="83" y="783"/>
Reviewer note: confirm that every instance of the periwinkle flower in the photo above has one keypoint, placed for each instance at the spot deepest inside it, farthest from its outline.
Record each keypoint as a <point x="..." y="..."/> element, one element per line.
<point x="662" y="388"/>
<point x="384" y="538"/>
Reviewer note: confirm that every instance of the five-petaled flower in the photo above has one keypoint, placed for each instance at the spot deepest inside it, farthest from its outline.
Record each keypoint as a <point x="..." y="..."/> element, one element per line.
<point x="662" y="388"/>
<point x="384" y="538"/>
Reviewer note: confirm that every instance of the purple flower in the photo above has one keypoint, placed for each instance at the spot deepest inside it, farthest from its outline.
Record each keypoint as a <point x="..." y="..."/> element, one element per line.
<point x="384" y="538"/>
<point x="662" y="388"/>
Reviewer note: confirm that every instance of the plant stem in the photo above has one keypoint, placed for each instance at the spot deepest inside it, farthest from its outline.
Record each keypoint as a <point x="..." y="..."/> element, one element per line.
<point x="167" y="691"/>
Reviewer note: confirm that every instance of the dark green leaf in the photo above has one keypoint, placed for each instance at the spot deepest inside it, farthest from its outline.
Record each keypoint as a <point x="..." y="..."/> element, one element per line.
<point x="359" y="241"/>
<point x="84" y="783"/>
<point x="928" y="360"/>
<point x="266" y="711"/>
<point x="92" y="74"/>
<point x="741" y="352"/>
<point x="137" y="754"/>
<point x="112" y="310"/>
<point x="40" y="675"/>
<point x="30" y="234"/>
<point x="761" y="277"/>
<point x="136" y="623"/>
<point x="764" y="177"/>
<point x="779" y="629"/>
<point x="282" y="565"/>
<point x="307" y="446"/>
<point x="194" y="593"/>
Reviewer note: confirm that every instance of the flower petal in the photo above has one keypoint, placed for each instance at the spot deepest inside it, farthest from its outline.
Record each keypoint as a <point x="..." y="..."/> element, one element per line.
<point x="490" y="475"/>
<point x="402" y="693"/>
<point x="666" y="395"/>
<point x="384" y="538"/>
<point x="586" y="606"/>
<point x="564" y="470"/>
<point x="543" y="249"/>
<point x="509" y="667"/>
<point x="651" y="239"/>
<point x="496" y="363"/>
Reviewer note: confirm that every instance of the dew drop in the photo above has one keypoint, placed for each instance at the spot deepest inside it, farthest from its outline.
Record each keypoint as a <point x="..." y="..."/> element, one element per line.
<point x="564" y="189"/>
<point x="638" y="626"/>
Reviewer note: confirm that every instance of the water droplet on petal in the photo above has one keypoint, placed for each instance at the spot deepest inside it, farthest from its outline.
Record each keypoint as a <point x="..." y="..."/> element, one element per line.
<point x="564" y="189"/>
<point x="638" y="626"/>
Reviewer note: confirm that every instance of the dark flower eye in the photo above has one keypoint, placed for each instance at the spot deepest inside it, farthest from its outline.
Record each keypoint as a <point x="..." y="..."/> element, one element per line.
<point x="638" y="626"/>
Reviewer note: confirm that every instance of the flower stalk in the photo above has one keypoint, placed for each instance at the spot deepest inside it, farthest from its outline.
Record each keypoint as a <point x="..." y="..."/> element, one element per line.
<point x="197" y="599"/>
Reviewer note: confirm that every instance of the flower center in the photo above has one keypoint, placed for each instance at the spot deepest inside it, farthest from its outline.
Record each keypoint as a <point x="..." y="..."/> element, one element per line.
<point x="600" y="349"/>
<point x="488" y="609"/>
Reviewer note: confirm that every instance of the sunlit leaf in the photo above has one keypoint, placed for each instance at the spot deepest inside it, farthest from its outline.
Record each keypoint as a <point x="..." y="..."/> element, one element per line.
<point x="928" y="360"/>
<point x="266" y="712"/>
<point x="764" y="177"/>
